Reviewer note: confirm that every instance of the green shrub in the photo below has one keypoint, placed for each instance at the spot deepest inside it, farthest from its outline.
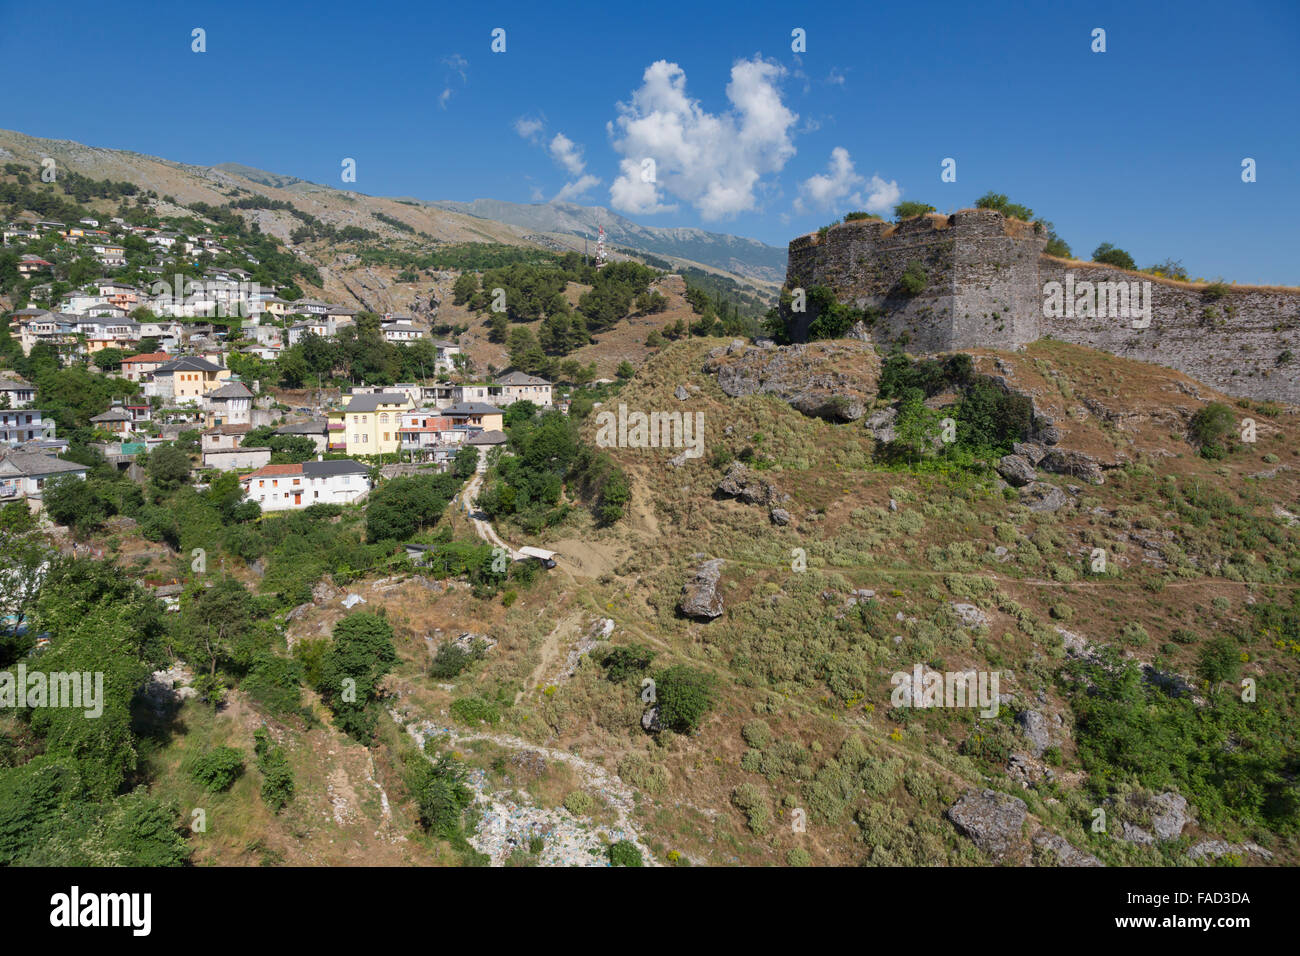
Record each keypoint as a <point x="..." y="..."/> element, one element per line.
<point x="914" y="278"/>
<point x="756" y="733"/>
<point x="472" y="710"/>
<point x="217" y="769"/>
<point x="684" y="695"/>
<point x="1209" y="426"/>
<point x="624" y="853"/>
<point x="579" y="803"/>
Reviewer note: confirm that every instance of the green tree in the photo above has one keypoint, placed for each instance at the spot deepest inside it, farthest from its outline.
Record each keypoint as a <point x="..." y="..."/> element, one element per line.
<point x="168" y="467"/>
<point x="361" y="654"/>
<point x="1113" y="256"/>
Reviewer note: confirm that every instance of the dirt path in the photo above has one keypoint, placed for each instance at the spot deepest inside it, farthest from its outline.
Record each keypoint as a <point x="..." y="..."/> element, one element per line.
<point x="565" y="628"/>
<point x="469" y="501"/>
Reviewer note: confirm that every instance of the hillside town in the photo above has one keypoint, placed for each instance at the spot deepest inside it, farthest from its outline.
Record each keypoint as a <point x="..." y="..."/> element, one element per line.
<point x="176" y="341"/>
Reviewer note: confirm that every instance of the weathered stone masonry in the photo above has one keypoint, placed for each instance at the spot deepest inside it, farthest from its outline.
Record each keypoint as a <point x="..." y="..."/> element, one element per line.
<point x="985" y="288"/>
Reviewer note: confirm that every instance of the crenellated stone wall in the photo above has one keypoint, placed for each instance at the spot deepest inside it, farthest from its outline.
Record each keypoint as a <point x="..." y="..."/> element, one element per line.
<point x="987" y="287"/>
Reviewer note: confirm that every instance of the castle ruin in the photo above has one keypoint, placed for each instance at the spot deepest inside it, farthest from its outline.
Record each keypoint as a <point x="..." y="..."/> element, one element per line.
<point x="988" y="282"/>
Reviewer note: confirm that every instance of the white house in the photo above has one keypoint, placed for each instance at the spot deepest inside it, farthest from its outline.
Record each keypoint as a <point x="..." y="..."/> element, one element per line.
<point x="24" y="474"/>
<point x="15" y="393"/>
<point x="22" y="425"/>
<point x="288" y="487"/>
<point x="231" y="404"/>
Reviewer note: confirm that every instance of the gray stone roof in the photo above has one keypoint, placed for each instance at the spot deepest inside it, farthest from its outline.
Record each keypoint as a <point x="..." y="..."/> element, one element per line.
<point x="34" y="464"/>
<point x="368" y="403"/>
<point x="338" y="466"/>
<point x="231" y="390"/>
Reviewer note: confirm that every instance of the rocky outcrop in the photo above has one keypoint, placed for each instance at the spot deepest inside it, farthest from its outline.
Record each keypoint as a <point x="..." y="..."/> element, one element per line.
<point x="881" y="424"/>
<point x="700" y="597"/>
<point x="830" y="380"/>
<point x="1076" y="464"/>
<point x="990" y="819"/>
<point x="1063" y="852"/>
<point x="1039" y="496"/>
<point x="1037" y="730"/>
<point x="1215" y="848"/>
<point x="970" y="616"/>
<point x="740" y="483"/>
<point x="1169" y="815"/>
<point x="1017" y="470"/>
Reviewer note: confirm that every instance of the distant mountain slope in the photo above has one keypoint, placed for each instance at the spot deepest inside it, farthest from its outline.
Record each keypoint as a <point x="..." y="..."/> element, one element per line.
<point x="747" y="257"/>
<point x="274" y="180"/>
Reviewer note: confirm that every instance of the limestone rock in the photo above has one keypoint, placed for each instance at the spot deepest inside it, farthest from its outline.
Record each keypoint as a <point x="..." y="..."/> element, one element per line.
<point x="1073" y="463"/>
<point x="970" y="615"/>
<point x="1037" y="729"/>
<point x="1223" y="848"/>
<point x="881" y="424"/>
<point x="1040" y="496"/>
<point x="700" y="597"/>
<point x="1130" y="833"/>
<point x="1031" y="450"/>
<point x="780" y="517"/>
<point x="1170" y="815"/>
<point x="680" y="393"/>
<point x="1066" y="854"/>
<point x="1017" y="470"/>
<point x="990" y="819"/>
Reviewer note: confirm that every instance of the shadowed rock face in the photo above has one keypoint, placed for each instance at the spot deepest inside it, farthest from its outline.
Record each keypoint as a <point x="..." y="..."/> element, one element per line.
<point x="700" y="597"/>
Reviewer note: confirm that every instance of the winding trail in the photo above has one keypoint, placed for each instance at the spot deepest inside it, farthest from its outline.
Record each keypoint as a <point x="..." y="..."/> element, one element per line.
<point x="469" y="501"/>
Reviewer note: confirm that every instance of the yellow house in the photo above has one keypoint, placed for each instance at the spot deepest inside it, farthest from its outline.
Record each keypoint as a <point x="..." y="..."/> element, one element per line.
<point x="371" y="422"/>
<point x="190" y="378"/>
<point x="475" y="416"/>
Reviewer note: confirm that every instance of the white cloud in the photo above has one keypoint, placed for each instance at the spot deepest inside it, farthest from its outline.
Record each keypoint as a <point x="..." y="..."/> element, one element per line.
<point x="529" y="128"/>
<point x="457" y="69"/>
<point x="568" y="154"/>
<point x="575" y="190"/>
<point x="457" y="64"/>
<point x="836" y="77"/>
<point x="842" y="186"/>
<point x="714" y="162"/>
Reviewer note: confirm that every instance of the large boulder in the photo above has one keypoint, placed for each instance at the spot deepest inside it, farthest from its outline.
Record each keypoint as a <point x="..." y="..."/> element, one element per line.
<point x="1040" y="496"/>
<point x="742" y="484"/>
<point x="1017" y="470"/>
<point x="1169" y="815"/>
<point x="970" y="616"/>
<point x="1076" y="464"/>
<point x="700" y="597"/>
<point x="990" y="819"/>
<point x="1037" y="730"/>
<point x="1031" y="450"/>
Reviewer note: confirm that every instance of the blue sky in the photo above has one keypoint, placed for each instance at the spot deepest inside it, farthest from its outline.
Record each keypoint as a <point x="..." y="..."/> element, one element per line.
<point x="1141" y="145"/>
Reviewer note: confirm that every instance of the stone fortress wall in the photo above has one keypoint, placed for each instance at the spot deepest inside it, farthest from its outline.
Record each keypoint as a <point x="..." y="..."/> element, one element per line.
<point x="986" y="287"/>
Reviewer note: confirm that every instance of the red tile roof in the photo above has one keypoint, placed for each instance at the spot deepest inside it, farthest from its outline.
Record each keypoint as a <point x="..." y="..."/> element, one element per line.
<point x="149" y="357"/>
<point x="267" y="471"/>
